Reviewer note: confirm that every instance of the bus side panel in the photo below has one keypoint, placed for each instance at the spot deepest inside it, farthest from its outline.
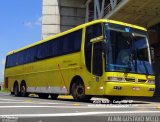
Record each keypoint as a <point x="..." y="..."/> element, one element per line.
<point x="46" y="76"/>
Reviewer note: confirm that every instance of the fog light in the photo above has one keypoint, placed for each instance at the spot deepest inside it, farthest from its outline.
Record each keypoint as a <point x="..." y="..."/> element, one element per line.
<point x="101" y="87"/>
<point x="88" y="87"/>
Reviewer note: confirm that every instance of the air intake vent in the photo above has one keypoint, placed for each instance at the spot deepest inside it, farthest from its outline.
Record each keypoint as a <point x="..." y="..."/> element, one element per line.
<point x="142" y="80"/>
<point x="130" y="79"/>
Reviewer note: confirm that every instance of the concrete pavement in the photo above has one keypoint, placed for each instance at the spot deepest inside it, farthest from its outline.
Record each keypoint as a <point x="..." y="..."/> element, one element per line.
<point x="28" y="109"/>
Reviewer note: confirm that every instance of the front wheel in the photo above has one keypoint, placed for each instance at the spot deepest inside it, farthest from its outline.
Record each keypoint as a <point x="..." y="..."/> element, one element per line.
<point x="78" y="91"/>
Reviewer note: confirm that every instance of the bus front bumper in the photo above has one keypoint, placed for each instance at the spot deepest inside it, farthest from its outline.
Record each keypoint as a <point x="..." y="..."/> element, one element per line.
<point x="129" y="89"/>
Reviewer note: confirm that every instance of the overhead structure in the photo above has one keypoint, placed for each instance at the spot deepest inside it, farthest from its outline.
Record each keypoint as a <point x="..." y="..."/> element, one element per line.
<point x="64" y="14"/>
<point x="140" y="12"/>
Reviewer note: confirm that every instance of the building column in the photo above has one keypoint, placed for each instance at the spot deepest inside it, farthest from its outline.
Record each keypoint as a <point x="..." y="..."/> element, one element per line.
<point x="98" y="9"/>
<point x="50" y="18"/>
<point x="61" y="15"/>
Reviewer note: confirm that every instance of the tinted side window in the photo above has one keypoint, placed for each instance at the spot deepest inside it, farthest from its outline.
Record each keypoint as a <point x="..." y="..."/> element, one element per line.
<point x="42" y="51"/>
<point x="75" y="45"/>
<point x="20" y="58"/>
<point x="63" y="45"/>
<point x="30" y="55"/>
<point x="55" y="47"/>
<point x="91" y="32"/>
<point x="8" y="61"/>
<point x="69" y="43"/>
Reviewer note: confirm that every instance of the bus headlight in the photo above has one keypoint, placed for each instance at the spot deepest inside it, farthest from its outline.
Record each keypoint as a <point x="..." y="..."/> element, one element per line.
<point x="151" y="81"/>
<point x="117" y="79"/>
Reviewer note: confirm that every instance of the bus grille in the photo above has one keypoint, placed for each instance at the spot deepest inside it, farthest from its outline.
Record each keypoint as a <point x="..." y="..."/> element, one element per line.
<point x="130" y="79"/>
<point x="141" y="80"/>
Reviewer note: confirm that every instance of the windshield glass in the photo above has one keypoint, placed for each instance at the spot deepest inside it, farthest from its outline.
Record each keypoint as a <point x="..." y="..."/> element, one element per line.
<point x="128" y="50"/>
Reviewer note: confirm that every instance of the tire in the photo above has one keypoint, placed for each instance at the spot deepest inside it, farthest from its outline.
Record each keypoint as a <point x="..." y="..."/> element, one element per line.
<point x="12" y="93"/>
<point x="16" y="90"/>
<point x="78" y="91"/>
<point x="54" y="96"/>
<point x="43" y="95"/>
<point x="23" y="90"/>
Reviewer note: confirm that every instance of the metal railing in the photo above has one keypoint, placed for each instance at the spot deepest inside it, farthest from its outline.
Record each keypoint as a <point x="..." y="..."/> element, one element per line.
<point x="109" y="7"/>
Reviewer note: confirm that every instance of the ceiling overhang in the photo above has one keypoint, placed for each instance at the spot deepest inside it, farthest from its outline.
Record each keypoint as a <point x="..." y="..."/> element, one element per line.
<point x="145" y="13"/>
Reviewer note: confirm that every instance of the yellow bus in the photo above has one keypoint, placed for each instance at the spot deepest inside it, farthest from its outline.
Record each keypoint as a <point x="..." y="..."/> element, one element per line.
<point x="100" y="58"/>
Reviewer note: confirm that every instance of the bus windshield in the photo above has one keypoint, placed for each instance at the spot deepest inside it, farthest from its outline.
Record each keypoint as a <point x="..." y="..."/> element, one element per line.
<point x="128" y="50"/>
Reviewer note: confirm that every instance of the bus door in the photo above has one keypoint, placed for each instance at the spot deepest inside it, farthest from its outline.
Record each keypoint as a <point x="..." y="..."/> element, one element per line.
<point x="97" y="62"/>
<point x="93" y="55"/>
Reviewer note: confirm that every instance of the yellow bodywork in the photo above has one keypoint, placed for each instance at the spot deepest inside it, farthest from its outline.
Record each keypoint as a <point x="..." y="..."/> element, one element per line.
<point x="128" y="88"/>
<point x="59" y="71"/>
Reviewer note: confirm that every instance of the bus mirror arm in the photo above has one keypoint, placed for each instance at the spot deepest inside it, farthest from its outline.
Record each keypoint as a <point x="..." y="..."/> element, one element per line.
<point x="105" y="46"/>
<point x="97" y="39"/>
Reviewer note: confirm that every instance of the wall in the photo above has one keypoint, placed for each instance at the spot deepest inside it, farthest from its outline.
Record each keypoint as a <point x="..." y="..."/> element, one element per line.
<point x="61" y="15"/>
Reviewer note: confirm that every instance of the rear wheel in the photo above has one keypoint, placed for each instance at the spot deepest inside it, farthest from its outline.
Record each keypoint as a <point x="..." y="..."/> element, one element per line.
<point x="23" y="90"/>
<point x="43" y="95"/>
<point x="16" y="90"/>
<point x="78" y="91"/>
<point x="12" y="93"/>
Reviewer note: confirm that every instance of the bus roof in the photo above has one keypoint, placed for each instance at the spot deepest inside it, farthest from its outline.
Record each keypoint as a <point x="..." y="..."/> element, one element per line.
<point x="76" y="28"/>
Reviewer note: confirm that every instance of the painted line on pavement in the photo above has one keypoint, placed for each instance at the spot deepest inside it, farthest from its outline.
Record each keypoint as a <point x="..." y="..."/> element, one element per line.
<point x="25" y="101"/>
<point x="73" y="106"/>
<point x="43" y="106"/>
<point x="30" y="103"/>
<point x="1" y="99"/>
<point x="79" y="114"/>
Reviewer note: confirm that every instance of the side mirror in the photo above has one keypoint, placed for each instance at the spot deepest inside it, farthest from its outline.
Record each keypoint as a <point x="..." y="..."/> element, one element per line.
<point x="97" y="39"/>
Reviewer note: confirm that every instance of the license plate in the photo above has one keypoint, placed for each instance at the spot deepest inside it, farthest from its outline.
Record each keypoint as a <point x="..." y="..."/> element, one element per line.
<point x="136" y="88"/>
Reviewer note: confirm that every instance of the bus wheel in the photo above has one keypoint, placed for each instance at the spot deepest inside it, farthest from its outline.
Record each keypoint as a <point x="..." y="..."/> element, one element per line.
<point x="54" y="96"/>
<point x="78" y="91"/>
<point x="16" y="90"/>
<point x="23" y="90"/>
<point x="12" y="93"/>
<point x="43" y="95"/>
